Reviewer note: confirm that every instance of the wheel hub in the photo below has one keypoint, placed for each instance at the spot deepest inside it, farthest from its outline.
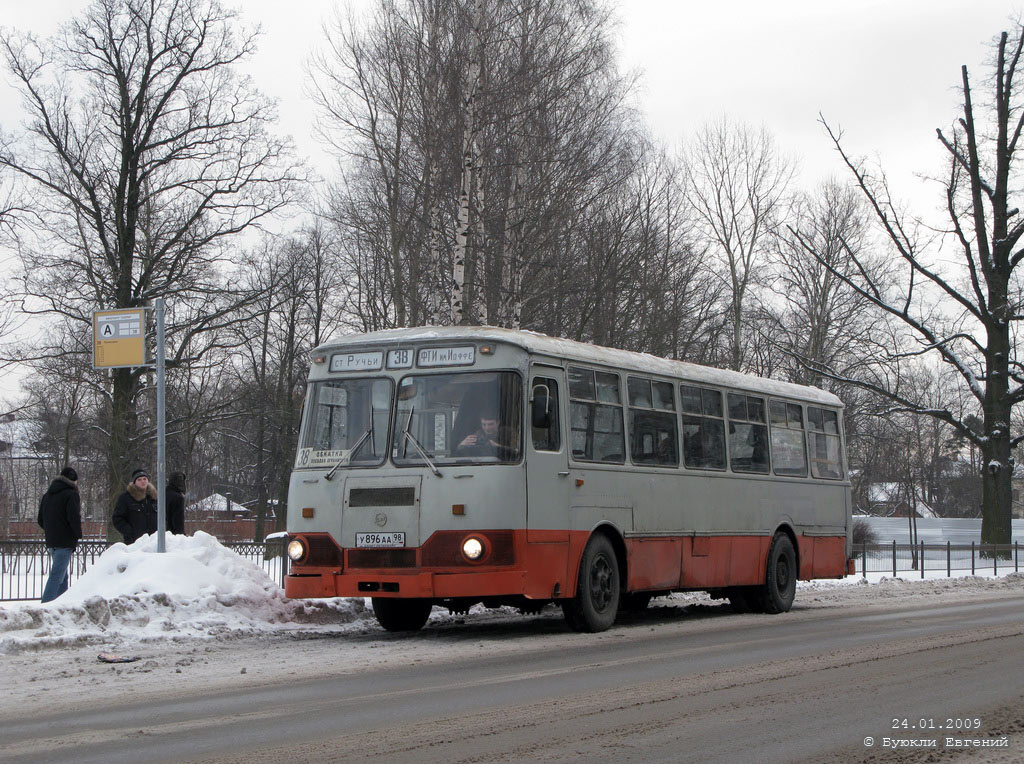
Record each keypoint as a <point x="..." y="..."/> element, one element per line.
<point x="600" y="584"/>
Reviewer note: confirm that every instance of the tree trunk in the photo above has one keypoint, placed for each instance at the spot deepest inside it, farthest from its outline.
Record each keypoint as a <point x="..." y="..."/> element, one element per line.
<point x="470" y="161"/>
<point x="997" y="466"/>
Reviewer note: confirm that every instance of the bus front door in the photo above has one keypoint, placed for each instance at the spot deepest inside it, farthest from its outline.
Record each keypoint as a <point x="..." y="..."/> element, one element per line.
<point x="547" y="479"/>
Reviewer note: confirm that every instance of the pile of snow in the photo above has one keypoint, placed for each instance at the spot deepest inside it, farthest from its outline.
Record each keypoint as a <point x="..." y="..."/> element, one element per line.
<point x="197" y="588"/>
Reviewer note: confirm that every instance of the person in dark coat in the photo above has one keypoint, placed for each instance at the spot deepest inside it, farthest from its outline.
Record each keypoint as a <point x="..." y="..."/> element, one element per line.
<point x="135" y="513"/>
<point x="176" y="503"/>
<point x="60" y="517"/>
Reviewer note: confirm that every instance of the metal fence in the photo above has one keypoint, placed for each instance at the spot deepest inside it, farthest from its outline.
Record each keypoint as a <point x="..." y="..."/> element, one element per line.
<point x="937" y="559"/>
<point x="24" y="565"/>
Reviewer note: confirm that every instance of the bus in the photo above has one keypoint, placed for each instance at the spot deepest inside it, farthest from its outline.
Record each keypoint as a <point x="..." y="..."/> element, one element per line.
<point x="455" y="466"/>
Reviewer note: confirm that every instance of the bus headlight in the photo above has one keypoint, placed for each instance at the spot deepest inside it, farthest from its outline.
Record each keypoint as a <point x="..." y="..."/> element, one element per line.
<point x="296" y="549"/>
<point x="473" y="548"/>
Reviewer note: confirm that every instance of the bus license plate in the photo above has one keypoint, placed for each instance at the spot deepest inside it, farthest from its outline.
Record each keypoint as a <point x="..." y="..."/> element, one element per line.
<point x="380" y="539"/>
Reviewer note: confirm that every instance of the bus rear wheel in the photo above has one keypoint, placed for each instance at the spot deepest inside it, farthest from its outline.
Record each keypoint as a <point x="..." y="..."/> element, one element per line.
<point x="396" y="614"/>
<point x="780" y="578"/>
<point x="598" y="589"/>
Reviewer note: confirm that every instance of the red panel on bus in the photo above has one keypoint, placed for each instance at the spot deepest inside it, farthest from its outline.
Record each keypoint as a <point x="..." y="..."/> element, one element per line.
<point x="711" y="562"/>
<point x="546" y="566"/>
<point x="829" y="556"/>
<point x="654" y="563"/>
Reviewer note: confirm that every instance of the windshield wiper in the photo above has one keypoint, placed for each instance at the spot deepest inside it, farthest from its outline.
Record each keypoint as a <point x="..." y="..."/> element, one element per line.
<point x="349" y="454"/>
<point x="407" y="434"/>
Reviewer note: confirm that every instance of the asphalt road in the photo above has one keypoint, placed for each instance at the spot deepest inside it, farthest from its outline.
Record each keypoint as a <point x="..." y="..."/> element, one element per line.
<point x="791" y="688"/>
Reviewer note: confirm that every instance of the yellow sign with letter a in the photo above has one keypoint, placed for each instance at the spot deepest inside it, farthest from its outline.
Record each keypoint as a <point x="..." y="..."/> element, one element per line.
<point x="118" y="338"/>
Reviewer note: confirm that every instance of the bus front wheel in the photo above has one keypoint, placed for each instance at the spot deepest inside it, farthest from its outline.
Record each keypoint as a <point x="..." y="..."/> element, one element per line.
<point x="598" y="589"/>
<point x="401" y="614"/>
<point x="780" y="577"/>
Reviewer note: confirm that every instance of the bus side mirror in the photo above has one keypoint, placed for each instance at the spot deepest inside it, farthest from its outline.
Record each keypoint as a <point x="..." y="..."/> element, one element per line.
<point x="540" y="412"/>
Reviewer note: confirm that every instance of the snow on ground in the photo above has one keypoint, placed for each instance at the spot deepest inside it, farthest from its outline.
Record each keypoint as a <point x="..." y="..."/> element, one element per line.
<point x="200" y="618"/>
<point x="200" y="590"/>
<point x="197" y="588"/>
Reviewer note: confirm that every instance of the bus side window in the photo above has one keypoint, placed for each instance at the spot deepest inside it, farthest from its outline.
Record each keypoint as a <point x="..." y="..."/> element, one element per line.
<point x="703" y="428"/>
<point x="789" y="454"/>
<point x="544" y="397"/>
<point x="595" y="416"/>
<point x="823" y="434"/>
<point x="652" y="423"/>
<point x="748" y="434"/>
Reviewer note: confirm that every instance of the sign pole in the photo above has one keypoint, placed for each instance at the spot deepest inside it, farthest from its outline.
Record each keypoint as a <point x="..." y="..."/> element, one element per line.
<point x="119" y="341"/>
<point x="161" y="483"/>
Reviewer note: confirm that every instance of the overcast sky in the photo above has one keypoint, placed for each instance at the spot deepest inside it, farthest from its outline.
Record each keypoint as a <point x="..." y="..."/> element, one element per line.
<point x="885" y="71"/>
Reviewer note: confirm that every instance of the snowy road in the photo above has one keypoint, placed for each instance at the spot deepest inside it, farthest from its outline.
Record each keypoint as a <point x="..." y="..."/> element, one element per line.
<point x="681" y="682"/>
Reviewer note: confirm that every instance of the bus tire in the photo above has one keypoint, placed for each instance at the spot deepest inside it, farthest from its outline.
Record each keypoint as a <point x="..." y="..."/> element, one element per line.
<point x="598" y="588"/>
<point x="780" y="576"/>
<point x="396" y="614"/>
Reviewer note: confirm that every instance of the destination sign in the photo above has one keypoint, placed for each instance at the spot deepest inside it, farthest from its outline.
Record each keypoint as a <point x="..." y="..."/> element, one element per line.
<point x="307" y="457"/>
<point x="357" y="361"/>
<point x="458" y="356"/>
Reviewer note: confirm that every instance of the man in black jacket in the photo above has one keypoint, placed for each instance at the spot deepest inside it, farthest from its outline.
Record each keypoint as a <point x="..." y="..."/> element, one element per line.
<point x="176" y="503"/>
<point x="135" y="513"/>
<point x="60" y="517"/>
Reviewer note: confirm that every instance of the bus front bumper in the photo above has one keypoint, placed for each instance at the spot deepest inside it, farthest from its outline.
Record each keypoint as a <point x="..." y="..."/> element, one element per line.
<point x="427" y="585"/>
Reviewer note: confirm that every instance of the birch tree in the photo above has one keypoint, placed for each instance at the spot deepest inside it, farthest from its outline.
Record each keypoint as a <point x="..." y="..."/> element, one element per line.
<point x="475" y="135"/>
<point x="470" y="166"/>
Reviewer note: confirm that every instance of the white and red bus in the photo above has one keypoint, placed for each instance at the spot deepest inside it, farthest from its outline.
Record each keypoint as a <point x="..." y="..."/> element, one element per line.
<point x="458" y="465"/>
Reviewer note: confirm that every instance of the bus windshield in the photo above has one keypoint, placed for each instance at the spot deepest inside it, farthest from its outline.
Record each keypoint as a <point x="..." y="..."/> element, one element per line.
<point x="457" y="418"/>
<point x="346" y="423"/>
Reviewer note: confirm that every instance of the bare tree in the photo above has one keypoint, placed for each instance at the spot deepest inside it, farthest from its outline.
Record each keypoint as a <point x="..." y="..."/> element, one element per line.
<point x="671" y="301"/>
<point x="265" y="375"/>
<point x="469" y="185"/>
<point x="365" y="86"/>
<point x="145" y="153"/>
<point x="738" y="188"/>
<point x="817" y="319"/>
<point x="527" y="94"/>
<point x="918" y="459"/>
<point x="963" y="311"/>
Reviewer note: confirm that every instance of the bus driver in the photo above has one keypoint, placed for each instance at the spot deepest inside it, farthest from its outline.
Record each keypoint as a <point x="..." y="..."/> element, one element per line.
<point x="483" y="442"/>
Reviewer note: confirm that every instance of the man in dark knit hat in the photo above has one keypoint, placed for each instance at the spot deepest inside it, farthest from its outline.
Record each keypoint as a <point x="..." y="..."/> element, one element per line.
<point x="60" y="517"/>
<point x="135" y="513"/>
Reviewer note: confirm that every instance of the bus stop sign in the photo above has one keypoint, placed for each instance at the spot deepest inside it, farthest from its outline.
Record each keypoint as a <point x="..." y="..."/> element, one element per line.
<point x="118" y="339"/>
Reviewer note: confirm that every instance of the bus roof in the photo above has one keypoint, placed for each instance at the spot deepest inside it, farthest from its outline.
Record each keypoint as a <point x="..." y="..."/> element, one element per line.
<point x="534" y="342"/>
